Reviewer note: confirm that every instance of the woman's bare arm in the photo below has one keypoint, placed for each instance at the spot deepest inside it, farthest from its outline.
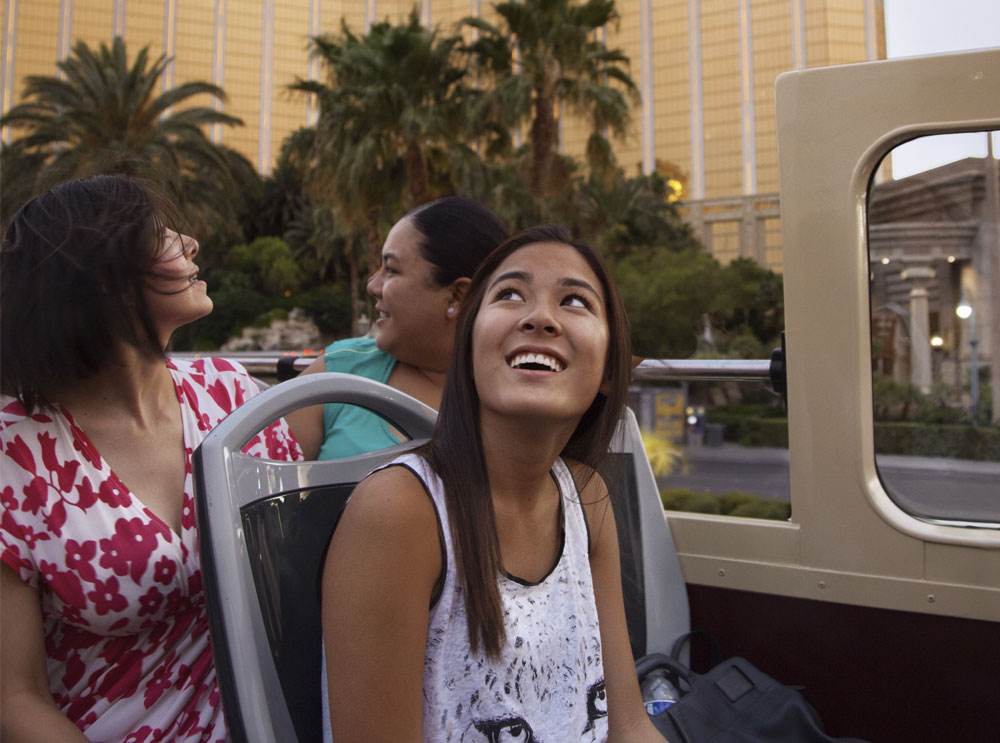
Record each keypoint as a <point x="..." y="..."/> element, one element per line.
<point x="627" y="719"/>
<point x="307" y="423"/>
<point x="380" y="572"/>
<point x="27" y="711"/>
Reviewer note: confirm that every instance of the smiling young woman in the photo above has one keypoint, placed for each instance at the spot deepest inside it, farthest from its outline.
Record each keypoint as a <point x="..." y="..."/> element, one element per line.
<point x="500" y="525"/>
<point x="103" y="626"/>
<point x="428" y="259"/>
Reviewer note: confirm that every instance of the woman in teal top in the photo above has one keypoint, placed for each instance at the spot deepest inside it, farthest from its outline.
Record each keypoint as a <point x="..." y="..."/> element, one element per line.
<point x="428" y="259"/>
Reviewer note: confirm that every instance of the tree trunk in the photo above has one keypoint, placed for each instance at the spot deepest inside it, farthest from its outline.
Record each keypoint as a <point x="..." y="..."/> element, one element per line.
<point x="543" y="129"/>
<point x="353" y="283"/>
<point x="416" y="173"/>
<point x="374" y="238"/>
<point x="543" y="140"/>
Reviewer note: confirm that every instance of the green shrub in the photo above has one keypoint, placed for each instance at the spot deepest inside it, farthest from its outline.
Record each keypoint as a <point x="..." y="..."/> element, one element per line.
<point x="729" y="502"/>
<point x="764" y="432"/>
<point x="746" y="505"/>
<point x="957" y="442"/>
<point x="678" y="499"/>
<point x="235" y="308"/>
<point x="329" y="308"/>
<point x="758" y="424"/>
<point x="265" y="319"/>
<point x="764" y="508"/>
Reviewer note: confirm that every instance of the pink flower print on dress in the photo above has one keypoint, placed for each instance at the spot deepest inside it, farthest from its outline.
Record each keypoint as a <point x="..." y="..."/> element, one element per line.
<point x="164" y="570"/>
<point x="160" y="682"/>
<point x="130" y="547"/>
<point x="73" y="615"/>
<point x="196" y="371"/>
<point x="13" y="409"/>
<point x="150" y="601"/>
<point x="142" y="735"/>
<point x="106" y="596"/>
<point x="204" y="423"/>
<point x="222" y="365"/>
<point x="56" y="518"/>
<point x="113" y="492"/>
<point x="217" y="390"/>
<point x="86" y="495"/>
<point x="77" y="708"/>
<point x="7" y="498"/>
<point x="36" y="496"/>
<point x="80" y="557"/>
<point x="64" y="584"/>
<point x="195" y="586"/>
<point x="27" y="532"/>
<point x="187" y="514"/>
<point x="122" y="679"/>
<point x="82" y="444"/>
<point x="20" y="452"/>
<point x="65" y="471"/>
<point x="74" y="670"/>
<point x="276" y="448"/>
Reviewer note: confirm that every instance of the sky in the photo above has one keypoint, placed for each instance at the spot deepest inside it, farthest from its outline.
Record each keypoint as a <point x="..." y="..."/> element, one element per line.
<point x="914" y="27"/>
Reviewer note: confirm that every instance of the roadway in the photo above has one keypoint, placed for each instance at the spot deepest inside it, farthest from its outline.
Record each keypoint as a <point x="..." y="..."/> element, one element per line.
<point x="933" y="486"/>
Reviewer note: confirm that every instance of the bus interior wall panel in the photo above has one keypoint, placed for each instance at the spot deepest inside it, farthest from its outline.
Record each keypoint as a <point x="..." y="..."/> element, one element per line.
<point x="882" y="675"/>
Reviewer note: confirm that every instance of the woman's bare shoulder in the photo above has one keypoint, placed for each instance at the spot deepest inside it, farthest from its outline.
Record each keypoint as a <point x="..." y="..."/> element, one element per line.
<point x="392" y="502"/>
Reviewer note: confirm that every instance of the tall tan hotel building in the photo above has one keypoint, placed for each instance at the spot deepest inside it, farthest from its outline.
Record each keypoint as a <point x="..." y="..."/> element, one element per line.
<point x="705" y="69"/>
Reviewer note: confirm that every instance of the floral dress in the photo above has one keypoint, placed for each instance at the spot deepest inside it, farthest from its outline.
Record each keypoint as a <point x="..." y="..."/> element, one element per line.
<point x="123" y="607"/>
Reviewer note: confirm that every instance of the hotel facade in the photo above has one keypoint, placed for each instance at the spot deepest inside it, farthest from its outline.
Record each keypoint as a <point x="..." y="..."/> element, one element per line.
<point x="705" y="70"/>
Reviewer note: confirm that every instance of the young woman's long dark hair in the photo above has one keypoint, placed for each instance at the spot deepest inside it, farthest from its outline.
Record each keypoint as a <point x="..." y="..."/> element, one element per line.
<point x="73" y="265"/>
<point x="455" y="451"/>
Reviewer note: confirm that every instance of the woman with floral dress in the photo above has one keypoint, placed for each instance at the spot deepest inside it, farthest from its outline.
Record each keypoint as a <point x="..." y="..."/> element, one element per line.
<point x="104" y="626"/>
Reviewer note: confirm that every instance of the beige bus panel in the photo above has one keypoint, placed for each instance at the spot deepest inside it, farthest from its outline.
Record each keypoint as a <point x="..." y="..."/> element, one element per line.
<point x="847" y="541"/>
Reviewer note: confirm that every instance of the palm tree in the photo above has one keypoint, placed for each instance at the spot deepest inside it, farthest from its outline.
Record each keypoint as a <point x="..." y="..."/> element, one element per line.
<point x="632" y="215"/>
<point x="546" y="55"/>
<point x="105" y="114"/>
<point x="394" y="113"/>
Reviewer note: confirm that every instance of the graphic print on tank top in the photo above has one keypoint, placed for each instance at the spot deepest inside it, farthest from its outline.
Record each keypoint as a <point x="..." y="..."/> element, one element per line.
<point x="548" y="684"/>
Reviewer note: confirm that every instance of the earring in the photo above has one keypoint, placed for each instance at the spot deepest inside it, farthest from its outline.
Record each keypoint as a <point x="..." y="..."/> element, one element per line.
<point x="451" y="311"/>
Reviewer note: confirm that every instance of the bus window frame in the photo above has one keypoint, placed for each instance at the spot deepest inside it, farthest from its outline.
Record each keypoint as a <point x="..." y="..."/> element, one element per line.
<point x="847" y="540"/>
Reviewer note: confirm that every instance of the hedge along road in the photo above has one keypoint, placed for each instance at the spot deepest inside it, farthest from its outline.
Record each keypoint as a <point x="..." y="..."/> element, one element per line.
<point x="931" y="486"/>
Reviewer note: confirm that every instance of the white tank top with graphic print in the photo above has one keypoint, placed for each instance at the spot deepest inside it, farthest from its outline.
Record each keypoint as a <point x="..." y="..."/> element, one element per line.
<point x="548" y="686"/>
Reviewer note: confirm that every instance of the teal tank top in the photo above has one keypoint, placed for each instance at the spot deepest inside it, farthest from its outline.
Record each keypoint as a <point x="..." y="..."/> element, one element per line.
<point x="348" y="429"/>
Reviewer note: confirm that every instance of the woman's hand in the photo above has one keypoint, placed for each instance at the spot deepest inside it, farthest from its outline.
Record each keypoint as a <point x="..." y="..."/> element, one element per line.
<point x="383" y="563"/>
<point x="27" y="711"/>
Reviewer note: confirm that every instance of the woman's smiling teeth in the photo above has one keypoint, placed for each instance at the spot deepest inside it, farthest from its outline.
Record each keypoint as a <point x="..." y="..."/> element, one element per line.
<point x="536" y="361"/>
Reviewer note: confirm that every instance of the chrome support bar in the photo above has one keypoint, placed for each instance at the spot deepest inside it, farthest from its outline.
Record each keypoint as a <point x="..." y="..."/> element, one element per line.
<point x="704" y="369"/>
<point x="264" y="363"/>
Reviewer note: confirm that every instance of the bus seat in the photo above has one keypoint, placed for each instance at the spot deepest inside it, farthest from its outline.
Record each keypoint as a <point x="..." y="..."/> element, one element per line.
<point x="656" y="601"/>
<point x="264" y="525"/>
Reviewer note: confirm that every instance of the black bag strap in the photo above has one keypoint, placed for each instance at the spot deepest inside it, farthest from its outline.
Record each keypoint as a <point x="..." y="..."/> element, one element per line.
<point x="651" y="662"/>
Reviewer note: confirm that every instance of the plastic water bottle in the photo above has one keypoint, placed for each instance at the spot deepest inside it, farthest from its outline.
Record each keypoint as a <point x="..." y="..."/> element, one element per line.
<point x="658" y="692"/>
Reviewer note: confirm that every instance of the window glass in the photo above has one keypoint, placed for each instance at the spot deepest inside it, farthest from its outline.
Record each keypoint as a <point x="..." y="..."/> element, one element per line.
<point x="717" y="448"/>
<point x="935" y="326"/>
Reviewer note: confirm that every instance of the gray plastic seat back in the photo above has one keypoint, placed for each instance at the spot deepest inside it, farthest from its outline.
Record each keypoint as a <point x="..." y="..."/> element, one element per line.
<point x="656" y="603"/>
<point x="263" y="527"/>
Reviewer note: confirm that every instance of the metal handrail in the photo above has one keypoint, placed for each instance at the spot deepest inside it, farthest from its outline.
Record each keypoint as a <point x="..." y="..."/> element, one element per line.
<point x="750" y="370"/>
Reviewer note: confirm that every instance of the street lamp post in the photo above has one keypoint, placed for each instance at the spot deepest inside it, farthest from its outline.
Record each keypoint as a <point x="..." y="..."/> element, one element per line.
<point x="966" y="312"/>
